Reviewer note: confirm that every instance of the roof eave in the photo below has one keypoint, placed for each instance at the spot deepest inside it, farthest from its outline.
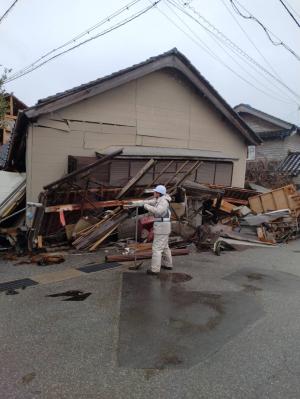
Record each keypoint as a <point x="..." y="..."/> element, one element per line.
<point x="263" y="115"/>
<point x="173" y="59"/>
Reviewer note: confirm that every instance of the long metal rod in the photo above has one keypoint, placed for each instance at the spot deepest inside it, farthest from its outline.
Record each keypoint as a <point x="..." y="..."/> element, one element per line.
<point x="136" y="233"/>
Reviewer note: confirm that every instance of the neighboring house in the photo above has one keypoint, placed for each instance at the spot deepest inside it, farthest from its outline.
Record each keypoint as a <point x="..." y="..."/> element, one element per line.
<point x="279" y="137"/>
<point x="14" y="105"/>
<point x="291" y="166"/>
<point x="162" y="108"/>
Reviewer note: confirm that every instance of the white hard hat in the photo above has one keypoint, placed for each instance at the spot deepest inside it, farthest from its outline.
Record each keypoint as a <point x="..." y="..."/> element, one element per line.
<point x="160" y="189"/>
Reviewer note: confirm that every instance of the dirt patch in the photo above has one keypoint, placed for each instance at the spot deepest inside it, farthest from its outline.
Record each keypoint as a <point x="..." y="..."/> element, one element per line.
<point x="150" y="373"/>
<point x="168" y="360"/>
<point x="251" y="288"/>
<point x="28" y="378"/>
<point x="255" y="276"/>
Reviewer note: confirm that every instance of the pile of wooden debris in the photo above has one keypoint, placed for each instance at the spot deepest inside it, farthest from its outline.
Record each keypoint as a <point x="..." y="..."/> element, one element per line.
<point x="86" y="213"/>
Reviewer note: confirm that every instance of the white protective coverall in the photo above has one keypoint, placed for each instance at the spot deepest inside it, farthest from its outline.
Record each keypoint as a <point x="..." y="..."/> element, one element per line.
<point x="161" y="253"/>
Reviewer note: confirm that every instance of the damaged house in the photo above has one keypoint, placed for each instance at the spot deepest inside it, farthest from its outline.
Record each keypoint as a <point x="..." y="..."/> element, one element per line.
<point x="279" y="138"/>
<point x="161" y="109"/>
<point x="14" y="105"/>
<point x="92" y="152"/>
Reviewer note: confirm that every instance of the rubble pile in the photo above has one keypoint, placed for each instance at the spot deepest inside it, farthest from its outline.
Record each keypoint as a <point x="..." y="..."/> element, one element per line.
<point x="265" y="219"/>
<point x="80" y="212"/>
<point x="88" y="213"/>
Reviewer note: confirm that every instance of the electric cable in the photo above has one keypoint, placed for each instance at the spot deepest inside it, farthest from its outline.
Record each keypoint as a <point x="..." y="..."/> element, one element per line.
<point x="268" y="32"/>
<point x="112" y="28"/>
<point x="8" y="11"/>
<point x="291" y="14"/>
<point x="228" y="42"/>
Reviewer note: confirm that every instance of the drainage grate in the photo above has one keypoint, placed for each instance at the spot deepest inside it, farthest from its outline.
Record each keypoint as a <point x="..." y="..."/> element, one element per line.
<point x="14" y="285"/>
<point x="98" y="267"/>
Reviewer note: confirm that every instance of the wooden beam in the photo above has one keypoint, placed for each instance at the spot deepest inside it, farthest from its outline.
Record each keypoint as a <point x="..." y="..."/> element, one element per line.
<point x="11" y="105"/>
<point x="160" y="174"/>
<point x="98" y="231"/>
<point x="142" y="255"/>
<point x="71" y="175"/>
<point x="186" y="175"/>
<point x="84" y="206"/>
<point x="177" y="173"/>
<point x="136" y="178"/>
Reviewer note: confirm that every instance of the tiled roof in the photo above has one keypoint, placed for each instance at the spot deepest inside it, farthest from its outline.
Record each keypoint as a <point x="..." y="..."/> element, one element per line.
<point x="291" y="164"/>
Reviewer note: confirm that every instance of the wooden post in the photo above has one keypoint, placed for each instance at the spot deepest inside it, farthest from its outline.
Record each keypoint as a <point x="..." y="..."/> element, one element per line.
<point x="177" y="173"/>
<point x="136" y="178"/>
<point x="160" y="174"/>
<point x="186" y="175"/>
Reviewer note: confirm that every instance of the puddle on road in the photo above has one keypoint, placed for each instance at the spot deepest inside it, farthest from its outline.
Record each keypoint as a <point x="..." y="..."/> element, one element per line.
<point x="175" y="277"/>
<point x="251" y="288"/>
<point x="73" y="295"/>
<point x="164" y="325"/>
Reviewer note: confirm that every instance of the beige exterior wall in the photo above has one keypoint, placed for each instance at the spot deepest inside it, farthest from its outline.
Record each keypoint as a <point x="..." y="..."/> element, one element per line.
<point x="157" y="110"/>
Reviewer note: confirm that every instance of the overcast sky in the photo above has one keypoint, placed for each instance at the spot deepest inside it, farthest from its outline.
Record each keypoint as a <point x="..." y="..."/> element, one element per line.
<point x="34" y="27"/>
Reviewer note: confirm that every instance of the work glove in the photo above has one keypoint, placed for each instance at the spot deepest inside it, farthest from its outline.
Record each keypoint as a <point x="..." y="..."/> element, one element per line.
<point x="138" y="203"/>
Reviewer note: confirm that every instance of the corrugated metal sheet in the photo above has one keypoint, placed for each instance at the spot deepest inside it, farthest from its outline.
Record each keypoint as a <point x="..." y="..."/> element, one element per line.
<point x="12" y="187"/>
<point x="119" y="172"/>
<point x="223" y="173"/>
<point x="165" y="152"/>
<point x="206" y="173"/>
<point x="291" y="164"/>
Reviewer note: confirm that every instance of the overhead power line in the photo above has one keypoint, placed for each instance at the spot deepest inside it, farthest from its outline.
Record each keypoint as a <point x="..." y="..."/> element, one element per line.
<point x="201" y="44"/>
<point x="77" y="37"/>
<point x="269" y="33"/>
<point x="8" y="11"/>
<point x="208" y="26"/>
<point x="293" y="9"/>
<point x="284" y="5"/>
<point x="106" y="31"/>
<point x="249" y="38"/>
<point x="257" y="49"/>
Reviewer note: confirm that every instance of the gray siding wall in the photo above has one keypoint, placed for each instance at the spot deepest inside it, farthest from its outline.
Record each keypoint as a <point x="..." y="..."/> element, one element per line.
<point x="278" y="149"/>
<point x="257" y="124"/>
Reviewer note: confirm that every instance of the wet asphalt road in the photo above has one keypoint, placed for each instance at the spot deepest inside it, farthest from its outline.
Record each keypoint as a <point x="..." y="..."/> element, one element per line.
<point x="229" y="330"/>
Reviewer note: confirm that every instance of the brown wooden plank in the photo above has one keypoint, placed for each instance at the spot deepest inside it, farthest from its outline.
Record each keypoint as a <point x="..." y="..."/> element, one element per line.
<point x="177" y="173"/>
<point x="161" y="173"/>
<point x="71" y="175"/>
<point x="142" y="255"/>
<point x="196" y="165"/>
<point x="85" y="206"/>
<point x="136" y="178"/>
<point x="97" y="232"/>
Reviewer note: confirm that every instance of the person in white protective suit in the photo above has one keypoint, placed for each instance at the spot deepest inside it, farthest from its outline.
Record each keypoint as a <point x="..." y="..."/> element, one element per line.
<point x="159" y="207"/>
